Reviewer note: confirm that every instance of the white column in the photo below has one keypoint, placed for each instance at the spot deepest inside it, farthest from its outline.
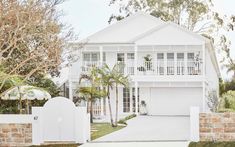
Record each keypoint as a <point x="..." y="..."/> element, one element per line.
<point x="136" y="98"/>
<point x="70" y="84"/>
<point x="131" y="100"/>
<point x="165" y="63"/>
<point x="204" y="76"/>
<point x="203" y="60"/>
<point x="101" y="55"/>
<point x="175" y="63"/>
<point x="136" y="60"/>
<point x="186" y="60"/>
<point x="101" y="64"/>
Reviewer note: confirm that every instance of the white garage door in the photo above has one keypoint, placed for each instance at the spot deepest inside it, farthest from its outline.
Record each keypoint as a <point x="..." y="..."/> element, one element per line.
<point x="174" y="101"/>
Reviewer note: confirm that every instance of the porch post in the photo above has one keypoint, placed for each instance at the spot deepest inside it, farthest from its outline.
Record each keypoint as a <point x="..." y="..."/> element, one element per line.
<point x="136" y="98"/>
<point x="136" y="60"/>
<point x="70" y="84"/>
<point x="186" y="61"/>
<point x="101" y="55"/>
<point x="204" y="77"/>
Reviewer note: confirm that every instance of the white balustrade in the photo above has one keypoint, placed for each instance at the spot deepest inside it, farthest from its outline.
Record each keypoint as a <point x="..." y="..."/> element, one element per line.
<point x="158" y="67"/>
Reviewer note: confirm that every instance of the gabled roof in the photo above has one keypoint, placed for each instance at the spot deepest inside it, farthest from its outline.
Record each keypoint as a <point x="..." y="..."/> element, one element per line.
<point x="169" y="34"/>
<point x="126" y="30"/>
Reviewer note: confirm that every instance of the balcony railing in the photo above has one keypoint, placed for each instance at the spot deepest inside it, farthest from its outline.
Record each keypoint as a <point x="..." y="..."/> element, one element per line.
<point x="160" y="67"/>
<point x="87" y="65"/>
<point x="170" y="67"/>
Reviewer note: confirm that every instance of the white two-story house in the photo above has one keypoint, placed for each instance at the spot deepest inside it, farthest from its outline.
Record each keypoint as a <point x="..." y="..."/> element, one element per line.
<point x="171" y="69"/>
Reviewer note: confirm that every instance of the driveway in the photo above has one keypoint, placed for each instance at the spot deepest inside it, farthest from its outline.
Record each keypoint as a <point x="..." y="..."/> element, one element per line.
<point x="137" y="144"/>
<point x="152" y="129"/>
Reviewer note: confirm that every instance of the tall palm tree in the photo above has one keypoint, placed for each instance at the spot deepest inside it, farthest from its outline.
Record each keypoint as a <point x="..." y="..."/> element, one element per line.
<point x="108" y="82"/>
<point x="92" y="92"/>
<point x="119" y="79"/>
<point x="110" y="78"/>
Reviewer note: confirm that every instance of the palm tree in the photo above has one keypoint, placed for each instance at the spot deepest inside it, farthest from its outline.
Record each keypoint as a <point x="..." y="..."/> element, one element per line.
<point x="92" y="92"/>
<point x="108" y="82"/>
<point x="110" y="78"/>
<point x="119" y="79"/>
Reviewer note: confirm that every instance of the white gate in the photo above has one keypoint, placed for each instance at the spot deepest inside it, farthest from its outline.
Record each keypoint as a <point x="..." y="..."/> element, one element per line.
<point x="60" y="120"/>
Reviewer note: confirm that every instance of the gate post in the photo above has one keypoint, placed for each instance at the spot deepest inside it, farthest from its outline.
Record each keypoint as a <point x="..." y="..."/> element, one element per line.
<point x="37" y="126"/>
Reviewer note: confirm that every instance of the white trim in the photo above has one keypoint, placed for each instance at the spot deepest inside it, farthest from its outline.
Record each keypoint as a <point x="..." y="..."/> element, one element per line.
<point x="165" y="25"/>
<point x="123" y="21"/>
<point x="16" y="118"/>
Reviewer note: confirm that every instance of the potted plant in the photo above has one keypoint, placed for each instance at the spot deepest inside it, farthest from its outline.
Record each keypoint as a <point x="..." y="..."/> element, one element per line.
<point x="141" y="70"/>
<point x="148" y="64"/>
<point x="143" y="108"/>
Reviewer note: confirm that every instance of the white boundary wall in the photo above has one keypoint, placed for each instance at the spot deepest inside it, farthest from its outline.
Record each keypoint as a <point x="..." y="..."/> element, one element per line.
<point x="82" y="124"/>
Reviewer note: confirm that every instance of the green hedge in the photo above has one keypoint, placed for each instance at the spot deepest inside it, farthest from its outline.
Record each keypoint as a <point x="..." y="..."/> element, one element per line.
<point x="123" y="121"/>
<point x="212" y="144"/>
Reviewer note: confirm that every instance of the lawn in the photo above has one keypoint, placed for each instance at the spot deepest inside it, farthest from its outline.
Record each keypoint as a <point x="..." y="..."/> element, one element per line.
<point x="57" y="145"/>
<point x="101" y="129"/>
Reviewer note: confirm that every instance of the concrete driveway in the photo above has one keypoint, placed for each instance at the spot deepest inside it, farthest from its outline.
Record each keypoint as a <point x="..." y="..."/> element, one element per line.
<point x="152" y="129"/>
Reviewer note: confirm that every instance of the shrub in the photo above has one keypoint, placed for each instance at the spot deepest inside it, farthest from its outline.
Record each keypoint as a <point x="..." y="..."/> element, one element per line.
<point x="212" y="144"/>
<point x="227" y="102"/>
<point x="123" y="121"/>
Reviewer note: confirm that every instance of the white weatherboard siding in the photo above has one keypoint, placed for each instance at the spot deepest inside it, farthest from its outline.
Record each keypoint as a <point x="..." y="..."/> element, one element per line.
<point x="182" y="70"/>
<point x="169" y="34"/>
<point x="174" y="101"/>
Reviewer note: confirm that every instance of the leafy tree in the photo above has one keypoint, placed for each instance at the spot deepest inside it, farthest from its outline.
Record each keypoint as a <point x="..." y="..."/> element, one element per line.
<point x="195" y="15"/>
<point x="47" y="84"/>
<point x="32" y="37"/>
<point x="227" y="101"/>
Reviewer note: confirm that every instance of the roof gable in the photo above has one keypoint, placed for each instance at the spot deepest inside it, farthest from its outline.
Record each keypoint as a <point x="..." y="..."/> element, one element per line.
<point x="126" y="29"/>
<point x="169" y="34"/>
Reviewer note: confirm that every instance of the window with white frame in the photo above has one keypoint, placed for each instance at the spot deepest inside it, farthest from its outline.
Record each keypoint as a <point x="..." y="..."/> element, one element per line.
<point x="130" y="63"/>
<point x="190" y="64"/>
<point x="160" y="63"/>
<point x="134" y="99"/>
<point x="170" y="64"/>
<point x="126" y="100"/>
<point x="180" y="63"/>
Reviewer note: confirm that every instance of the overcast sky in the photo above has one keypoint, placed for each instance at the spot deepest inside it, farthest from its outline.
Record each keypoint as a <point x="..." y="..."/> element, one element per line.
<point x="90" y="16"/>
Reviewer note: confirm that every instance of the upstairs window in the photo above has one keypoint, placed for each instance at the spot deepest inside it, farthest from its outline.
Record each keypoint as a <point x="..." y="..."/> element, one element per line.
<point x="91" y="57"/>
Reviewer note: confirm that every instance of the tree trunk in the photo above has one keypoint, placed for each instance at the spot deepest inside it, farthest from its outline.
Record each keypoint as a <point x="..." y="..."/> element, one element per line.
<point x="110" y="109"/>
<point x="116" y="118"/>
<point x="91" y="112"/>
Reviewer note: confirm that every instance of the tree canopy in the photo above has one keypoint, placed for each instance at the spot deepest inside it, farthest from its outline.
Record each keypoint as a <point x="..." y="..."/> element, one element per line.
<point x="32" y="38"/>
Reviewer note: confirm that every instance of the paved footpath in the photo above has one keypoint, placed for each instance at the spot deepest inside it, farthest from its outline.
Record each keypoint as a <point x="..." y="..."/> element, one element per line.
<point x="137" y="144"/>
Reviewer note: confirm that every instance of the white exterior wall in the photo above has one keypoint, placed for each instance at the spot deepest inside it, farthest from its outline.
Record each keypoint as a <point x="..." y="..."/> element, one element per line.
<point x="211" y="75"/>
<point x="212" y="79"/>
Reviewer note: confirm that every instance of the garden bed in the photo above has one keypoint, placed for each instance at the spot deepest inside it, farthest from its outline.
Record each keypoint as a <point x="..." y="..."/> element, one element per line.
<point x="212" y="144"/>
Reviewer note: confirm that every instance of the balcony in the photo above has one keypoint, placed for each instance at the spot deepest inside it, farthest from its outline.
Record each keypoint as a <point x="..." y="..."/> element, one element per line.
<point x="158" y="68"/>
<point x="170" y="67"/>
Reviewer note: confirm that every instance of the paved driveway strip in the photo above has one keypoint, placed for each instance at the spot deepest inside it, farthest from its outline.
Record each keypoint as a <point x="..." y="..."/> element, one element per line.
<point x="138" y="144"/>
<point x="151" y="129"/>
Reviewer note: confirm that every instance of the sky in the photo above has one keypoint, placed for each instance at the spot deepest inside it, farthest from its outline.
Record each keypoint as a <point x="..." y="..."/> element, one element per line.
<point x="90" y="16"/>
